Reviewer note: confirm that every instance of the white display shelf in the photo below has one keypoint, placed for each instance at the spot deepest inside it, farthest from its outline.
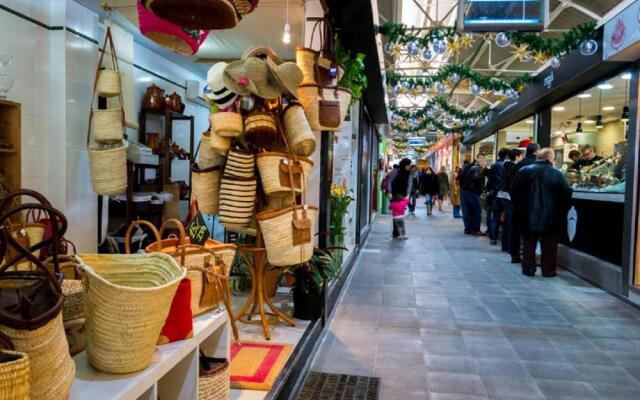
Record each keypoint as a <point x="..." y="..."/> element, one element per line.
<point x="173" y="373"/>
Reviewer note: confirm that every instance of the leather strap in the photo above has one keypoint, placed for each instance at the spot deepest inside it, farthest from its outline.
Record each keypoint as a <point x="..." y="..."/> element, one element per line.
<point x="139" y="223"/>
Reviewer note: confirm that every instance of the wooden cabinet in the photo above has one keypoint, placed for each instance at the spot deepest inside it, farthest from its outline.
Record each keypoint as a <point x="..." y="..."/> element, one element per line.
<point x="10" y="162"/>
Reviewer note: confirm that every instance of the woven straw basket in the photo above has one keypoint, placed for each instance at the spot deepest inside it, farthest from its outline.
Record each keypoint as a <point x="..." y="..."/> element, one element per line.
<point x="299" y="133"/>
<point x="237" y="200"/>
<point x="127" y="300"/>
<point x="240" y="164"/>
<point x="306" y="60"/>
<point x="275" y="175"/>
<point x="107" y="125"/>
<point x="205" y="186"/>
<point x="309" y="97"/>
<point x="108" y="170"/>
<point x="218" y="143"/>
<point x="51" y="367"/>
<point x="260" y="129"/>
<point x="35" y="233"/>
<point x="108" y="83"/>
<point x="278" y="235"/>
<point x="14" y="375"/>
<point x="207" y="155"/>
<point x="227" y="124"/>
<point x="214" y="384"/>
<point x="73" y="307"/>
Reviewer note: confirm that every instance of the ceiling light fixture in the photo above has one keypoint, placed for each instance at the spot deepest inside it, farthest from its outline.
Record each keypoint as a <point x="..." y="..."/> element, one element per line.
<point x="584" y="95"/>
<point x="529" y="121"/>
<point x="608" y="108"/>
<point x="589" y="121"/>
<point x="626" y="75"/>
<point x="286" y="36"/>
<point x="625" y="110"/>
<point x="558" y="108"/>
<point x="605" y="86"/>
<point x="579" y="126"/>
<point x="599" y="123"/>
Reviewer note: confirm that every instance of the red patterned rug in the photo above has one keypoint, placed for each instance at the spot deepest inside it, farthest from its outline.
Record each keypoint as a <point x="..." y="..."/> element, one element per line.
<point x="256" y="365"/>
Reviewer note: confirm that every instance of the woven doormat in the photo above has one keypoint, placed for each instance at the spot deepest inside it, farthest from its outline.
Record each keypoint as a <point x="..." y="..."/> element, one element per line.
<point x="256" y="365"/>
<point x="322" y="386"/>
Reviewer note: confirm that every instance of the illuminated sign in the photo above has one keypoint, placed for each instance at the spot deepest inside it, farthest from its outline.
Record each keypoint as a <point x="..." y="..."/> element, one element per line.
<point x="417" y="141"/>
<point x="502" y="15"/>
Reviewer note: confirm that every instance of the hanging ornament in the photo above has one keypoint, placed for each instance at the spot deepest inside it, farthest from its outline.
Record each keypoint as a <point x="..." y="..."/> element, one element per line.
<point x="454" y="46"/>
<point x="521" y="52"/>
<point x="405" y="85"/>
<point x="396" y="90"/>
<point x="388" y="47"/>
<point x="427" y="54"/>
<point x="426" y="89"/>
<point x="413" y="49"/>
<point x="527" y="57"/>
<point x="555" y="62"/>
<point x="439" y="46"/>
<point x="503" y="39"/>
<point x="450" y="118"/>
<point x="430" y="113"/>
<point x="588" y="47"/>
<point x="417" y="91"/>
<point x="540" y="57"/>
<point x="455" y="77"/>
<point x="475" y="89"/>
<point x="440" y="87"/>
<point x="511" y="94"/>
<point x="466" y="41"/>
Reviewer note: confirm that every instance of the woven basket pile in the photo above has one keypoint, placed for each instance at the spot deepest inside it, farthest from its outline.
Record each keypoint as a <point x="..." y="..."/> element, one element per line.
<point x="127" y="300"/>
<point x="227" y="124"/>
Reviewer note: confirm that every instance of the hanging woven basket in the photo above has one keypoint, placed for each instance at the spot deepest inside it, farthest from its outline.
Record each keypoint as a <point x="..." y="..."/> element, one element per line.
<point x="240" y="164"/>
<point x="218" y="143"/>
<point x="282" y="236"/>
<point x="208" y="156"/>
<point x="196" y="14"/>
<point x="108" y="83"/>
<point x="260" y="129"/>
<point x="274" y="173"/>
<point x="205" y="187"/>
<point x="127" y="300"/>
<point x="298" y="131"/>
<point x="108" y="169"/>
<point x="227" y="124"/>
<point x="237" y="201"/>
<point x="108" y="126"/>
<point x="325" y="107"/>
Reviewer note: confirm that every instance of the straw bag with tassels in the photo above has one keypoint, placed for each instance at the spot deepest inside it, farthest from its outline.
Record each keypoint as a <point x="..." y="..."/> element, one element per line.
<point x="31" y="316"/>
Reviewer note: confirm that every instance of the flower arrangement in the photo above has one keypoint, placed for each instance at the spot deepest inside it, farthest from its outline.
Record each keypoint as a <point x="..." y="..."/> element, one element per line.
<point x="341" y="197"/>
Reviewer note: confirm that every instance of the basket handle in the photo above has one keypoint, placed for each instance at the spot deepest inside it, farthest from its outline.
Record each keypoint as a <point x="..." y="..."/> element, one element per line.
<point x="182" y="238"/>
<point x="216" y="256"/>
<point x="139" y="223"/>
<point x="6" y="343"/>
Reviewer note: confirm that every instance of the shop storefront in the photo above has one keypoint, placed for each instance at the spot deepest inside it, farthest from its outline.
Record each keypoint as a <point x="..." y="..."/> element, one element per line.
<point x="585" y="110"/>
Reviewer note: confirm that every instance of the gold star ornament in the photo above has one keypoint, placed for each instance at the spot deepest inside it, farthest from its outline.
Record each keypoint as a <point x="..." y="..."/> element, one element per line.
<point x="466" y="41"/>
<point x="540" y="57"/>
<point x="521" y="52"/>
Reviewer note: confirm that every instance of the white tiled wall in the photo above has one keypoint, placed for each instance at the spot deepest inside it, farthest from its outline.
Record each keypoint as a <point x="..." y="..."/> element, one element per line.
<point x="54" y="72"/>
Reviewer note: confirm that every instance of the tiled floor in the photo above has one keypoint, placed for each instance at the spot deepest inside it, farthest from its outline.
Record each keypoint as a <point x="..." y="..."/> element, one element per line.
<point x="445" y="316"/>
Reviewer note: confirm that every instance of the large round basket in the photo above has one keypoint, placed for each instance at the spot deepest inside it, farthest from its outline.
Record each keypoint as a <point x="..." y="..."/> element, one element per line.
<point x="207" y="155"/>
<point x="274" y="173"/>
<point x="108" y="83"/>
<point x="306" y="59"/>
<point x="260" y="129"/>
<point x="310" y="96"/>
<point x="240" y="164"/>
<point x="205" y="186"/>
<point x="107" y="125"/>
<point x="108" y="169"/>
<point x="278" y="234"/>
<point x="227" y="124"/>
<point x="14" y="375"/>
<point x="127" y="300"/>
<point x="51" y="368"/>
<point x="299" y="133"/>
<point x="214" y="381"/>
<point x="237" y="200"/>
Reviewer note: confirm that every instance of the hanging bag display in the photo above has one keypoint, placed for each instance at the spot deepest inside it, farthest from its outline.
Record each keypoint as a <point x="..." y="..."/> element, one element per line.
<point x="108" y="163"/>
<point x="325" y="107"/>
<point x="14" y="371"/>
<point x="260" y="128"/>
<point x="196" y="14"/>
<point x="298" y="131"/>
<point x="227" y="124"/>
<point x="32" y="303"/>
<point x="240" y="164"/>
<point x="320" y="67"/>
<point x="237" y="201"/>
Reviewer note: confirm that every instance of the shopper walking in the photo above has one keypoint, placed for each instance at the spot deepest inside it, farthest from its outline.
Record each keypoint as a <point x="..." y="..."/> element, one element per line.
<point x="505" y="204"/>
<point x="455" y="193"/>
<point x="494" y="185"/>
<point x="429" y="188"/>
<point x="443" y="186"/>
<point x="541" y="197"/>
<point x="472" y="188"/>
<point x="413" y="196"/>
<point x="397" y="212"/>
<point x="399" y="185"/>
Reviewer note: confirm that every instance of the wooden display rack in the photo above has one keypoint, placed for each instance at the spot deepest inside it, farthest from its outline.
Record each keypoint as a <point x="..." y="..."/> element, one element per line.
<point x="173" y="374"/>
<point x="10" y="132"/>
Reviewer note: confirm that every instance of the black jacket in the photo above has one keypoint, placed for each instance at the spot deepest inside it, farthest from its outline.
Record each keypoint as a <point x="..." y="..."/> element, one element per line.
<point x="474" y="180"/>
<point x="541" y="198"/>
<point x="496" y="177"/>
<point x="510" y="171"/>
<point x="429" y="184"/>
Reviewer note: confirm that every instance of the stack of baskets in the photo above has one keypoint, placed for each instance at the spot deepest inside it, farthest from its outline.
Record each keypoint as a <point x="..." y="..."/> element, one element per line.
<point x="238" y="190"/>
<point x="108" y="153"/>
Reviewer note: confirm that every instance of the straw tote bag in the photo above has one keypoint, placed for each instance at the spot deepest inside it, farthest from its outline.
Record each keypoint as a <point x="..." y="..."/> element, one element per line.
<point x="14" y="371"/>
<point x="208" y="156"/>
<point x="320" y="67"/>
<point x="227" y="124"/>
<point x="213" y="378"/>
<point x="219" y="144"/>
<point x="299" y="133"/>
<point x="32" y="303"/>
<point x="260" y="128"/>
<point x="108" y="163"/>
<point x="240" y="164"/>
<point x="205" y="186"/>
<point x="237" y="201"/>
<point x="325" y="107"/>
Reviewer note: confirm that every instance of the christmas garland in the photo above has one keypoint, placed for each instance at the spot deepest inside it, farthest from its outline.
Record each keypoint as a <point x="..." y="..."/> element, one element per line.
<point x="555" y="47"/>
<point x="440" y="103"/>
<point x="400" y="33"/>
<point x="428" y="124"/>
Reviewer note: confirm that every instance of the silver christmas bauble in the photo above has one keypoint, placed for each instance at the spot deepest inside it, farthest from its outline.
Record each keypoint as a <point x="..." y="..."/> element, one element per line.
<point x="588" y="47"/>
<point x="388" y="47"/>
<point x="455" y="78"/>
<point x="440" y="87"/>
<point x="511" y="94"/>
<point x="395" y="90"/>
<point x="475" y="89"/>
<point x="439" y="46"/>
<point x="503" y="39"/>
<point x="247" y="103"/>
<point x="406" y="84"/>
<point x="555" y="62"/>
<point x="527" y="57"/>
<point x="427" y="54"/>
<point x="413" y="49"/>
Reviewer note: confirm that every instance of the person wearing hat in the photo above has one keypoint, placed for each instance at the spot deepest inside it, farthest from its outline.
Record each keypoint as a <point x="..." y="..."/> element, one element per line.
<point x="219" y="92"/>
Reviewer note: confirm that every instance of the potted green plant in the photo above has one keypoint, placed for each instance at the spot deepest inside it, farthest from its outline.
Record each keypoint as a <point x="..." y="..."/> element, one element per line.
<point x="354" y="78"/>
<point x="341" y="197"/>
<point x="311" y="280"/>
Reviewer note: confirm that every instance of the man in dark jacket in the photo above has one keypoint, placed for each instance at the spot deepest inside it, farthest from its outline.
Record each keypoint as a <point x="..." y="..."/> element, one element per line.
<point x="494" y="185"/>
<point x="541" y="197"/>
<point x="510" y="241"/>
<point x="472" y="188"/>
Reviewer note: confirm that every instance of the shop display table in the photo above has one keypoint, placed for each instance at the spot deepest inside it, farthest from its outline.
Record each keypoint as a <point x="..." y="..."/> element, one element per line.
<point x="173" y="373"/>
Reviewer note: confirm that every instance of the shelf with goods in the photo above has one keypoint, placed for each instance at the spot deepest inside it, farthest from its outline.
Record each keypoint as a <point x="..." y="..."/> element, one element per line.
<point x="10" y="134"/>
<point x="173" y="373"/>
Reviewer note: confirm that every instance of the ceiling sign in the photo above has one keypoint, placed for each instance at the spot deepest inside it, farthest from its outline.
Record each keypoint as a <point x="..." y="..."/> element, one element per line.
<point x="502" y="15"/>
<point x="417" y="141"/>
<point x="621" y="40"/>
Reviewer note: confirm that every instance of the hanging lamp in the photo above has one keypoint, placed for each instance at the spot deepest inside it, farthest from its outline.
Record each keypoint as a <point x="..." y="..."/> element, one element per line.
<point x="599" y="121"/>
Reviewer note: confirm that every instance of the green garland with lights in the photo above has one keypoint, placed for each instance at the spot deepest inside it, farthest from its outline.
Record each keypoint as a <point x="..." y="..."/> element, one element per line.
<point x="554" y="47"/>
<point x="430" y="123"/>
<point x="444" y="105"/>
<point x="400" y="33"/>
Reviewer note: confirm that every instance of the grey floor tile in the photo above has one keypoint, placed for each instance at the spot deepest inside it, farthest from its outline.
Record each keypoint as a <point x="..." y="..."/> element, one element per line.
<point x="587" y="357"/>
<point x="616" y="391"/>
<point x="567" y="390"/>
<point x="489" y="350"/>
<point x="553" y="370"/>
<point x="437" y="363"/>
<point x="511" y="387"/>
<point x="499" y="367"/>
<point x="447" y="382"/>
<point x="605" y="374"/>
<point x="457" y="396"/>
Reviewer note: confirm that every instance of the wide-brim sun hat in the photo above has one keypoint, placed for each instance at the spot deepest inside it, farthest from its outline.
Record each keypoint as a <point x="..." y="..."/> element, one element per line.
<point x="220" y="93"/>
<point x="288" y="76"/>
<point x="251" y="76"/>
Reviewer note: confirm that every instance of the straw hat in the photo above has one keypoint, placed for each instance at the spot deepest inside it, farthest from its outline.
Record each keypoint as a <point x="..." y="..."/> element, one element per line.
<point x="251" y="76"/>
<point x="287" y="74"/>
<point x="262" y="52"/>
<point x="220" y="93"/>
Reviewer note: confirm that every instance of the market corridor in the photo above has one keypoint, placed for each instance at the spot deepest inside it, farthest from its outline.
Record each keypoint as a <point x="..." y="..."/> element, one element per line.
<point x="446" y="316"/>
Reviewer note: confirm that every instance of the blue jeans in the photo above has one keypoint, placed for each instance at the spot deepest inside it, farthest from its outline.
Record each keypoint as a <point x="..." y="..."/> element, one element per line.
<point x="428" y="199"/>
<point x="456" y="211"/>
<point x="471" y="211"/>
<point x="508" y="223"/>
<point x="494" y="218"/>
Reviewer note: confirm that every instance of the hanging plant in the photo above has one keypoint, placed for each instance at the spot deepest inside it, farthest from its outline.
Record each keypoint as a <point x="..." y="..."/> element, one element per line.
<point x="354" y="78"/>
